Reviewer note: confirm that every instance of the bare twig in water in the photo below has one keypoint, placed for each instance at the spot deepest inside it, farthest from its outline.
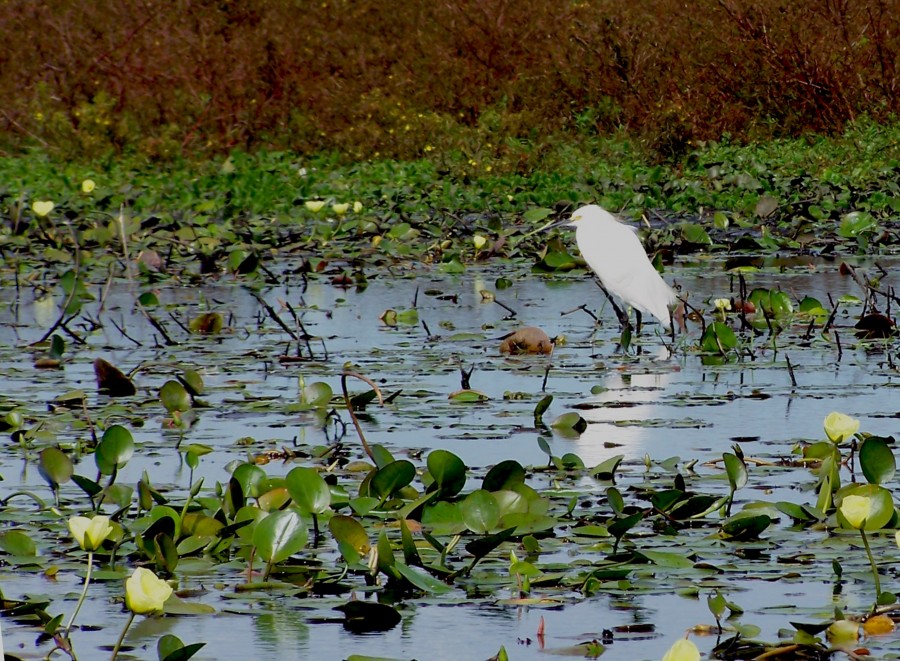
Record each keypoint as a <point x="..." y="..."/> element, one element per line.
<point x="790" y="370"/>
<point x="356" y="424"/>
<point x="512" y="313"/>
<point x="583" y="308"/>
<point x="464" y="376"/>
<point x="274" y="315"/>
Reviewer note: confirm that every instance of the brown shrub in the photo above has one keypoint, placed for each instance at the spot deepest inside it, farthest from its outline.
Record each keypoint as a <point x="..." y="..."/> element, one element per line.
<point x="166" y="77"/>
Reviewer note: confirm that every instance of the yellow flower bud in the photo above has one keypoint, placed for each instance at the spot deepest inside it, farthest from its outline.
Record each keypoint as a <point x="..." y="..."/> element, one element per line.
<point x="479" y="241"/>
<point x="315" y="205"/>
<point x="145" y="592"/>
<point x="42" y="207"/>
<point x="682" y="650"/>
<point x="88" y="186"/>
<point x="90" y="533"/>
<point x="357" y="207"/>
<point x="840" y="427"/>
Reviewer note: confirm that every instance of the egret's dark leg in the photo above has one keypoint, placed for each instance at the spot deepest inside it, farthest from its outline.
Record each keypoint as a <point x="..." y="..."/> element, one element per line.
<point x="620" y="314"/>
<point x="638" y="319"/>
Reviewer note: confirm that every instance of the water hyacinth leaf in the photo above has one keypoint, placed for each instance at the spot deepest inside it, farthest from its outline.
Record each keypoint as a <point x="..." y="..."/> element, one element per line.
<point x="667" y="559"/>
<point x="483" y="545"/>
<point x="742" y="527"/>
<point x="718" y="338"/>
<point x="508" y="474"/>
<point x="280" y="535"/>
<point x="148" y="299"/>
<point x="444" y="518"/>
<point x="717" y="604"/>
<point x="619" y="527"/>
<point x="368" y="616"/>
<point x="615" y="500"/>
<point x="55" y="467"/>
<point x="87" y="485"/>
<point x="170" y="648"/>
<point x="192" y="382"/>
<point x="389" y="480"/>
<point x="111" y="381"/>
<point x="606" y="470"/>
<point x="116" y="447"/>
<point x="480" y="511"/>
<point x="736" y="470"/>
<point x="166" y="553"/>
<point x="855" y="223"/>
<point x="317" y="394"/>
<point x="542" y="406"/>
<point x="877" y="460"/>
<point x="207" y="323"/>
<point x="57" y="347"/>
<point x="18" y="543"/>
<point x="468" y="396"/>
<point x="695" y="234"/>
<point x="350" y="532"/>
<point x="571" y="421"/>
<point x="781" y="305"/>
<point x="308" y="490"/>
<point x="245" y="520"/>
<point x="448" y="472"/>
<point x="536" y="215"/>
<point x="421" y="580"/>
<point x="174" y="397"/>
<point x="249" y="476"/>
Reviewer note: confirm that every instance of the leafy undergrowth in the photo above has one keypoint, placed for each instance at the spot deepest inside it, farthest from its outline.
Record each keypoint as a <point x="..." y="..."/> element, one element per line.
<point x="839" y="195"/>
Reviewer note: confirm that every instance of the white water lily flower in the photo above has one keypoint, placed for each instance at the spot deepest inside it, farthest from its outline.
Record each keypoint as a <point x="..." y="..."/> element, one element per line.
<point x="722" y="304"/>
<point x="839" y="427"/>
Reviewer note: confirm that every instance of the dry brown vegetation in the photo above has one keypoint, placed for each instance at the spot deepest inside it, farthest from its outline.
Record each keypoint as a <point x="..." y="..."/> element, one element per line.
<point x="372" y="78"/>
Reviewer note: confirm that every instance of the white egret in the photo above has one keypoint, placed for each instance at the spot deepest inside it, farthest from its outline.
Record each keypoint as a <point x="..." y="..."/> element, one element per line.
<point x="614" y="253"/>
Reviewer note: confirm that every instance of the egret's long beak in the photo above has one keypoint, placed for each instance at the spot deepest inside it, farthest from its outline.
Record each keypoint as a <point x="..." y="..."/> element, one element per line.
<point x="549" y="226"/>
<point x="565" y="222"/>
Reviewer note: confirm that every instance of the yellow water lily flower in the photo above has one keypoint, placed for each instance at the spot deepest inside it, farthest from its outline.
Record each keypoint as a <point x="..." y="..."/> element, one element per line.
<point x="722" y="304"/>
<point x="88" y="185"/>
<point x="340" y="209"/>
<point x="856" y="509"/>
<point x="840" y="427"/>
<point x="145" y="592"/>
<point x="42" y="207"/>
<point x="315" y="205"/>
<point x="682" y="650"/>
<point x="90" y="533"/>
